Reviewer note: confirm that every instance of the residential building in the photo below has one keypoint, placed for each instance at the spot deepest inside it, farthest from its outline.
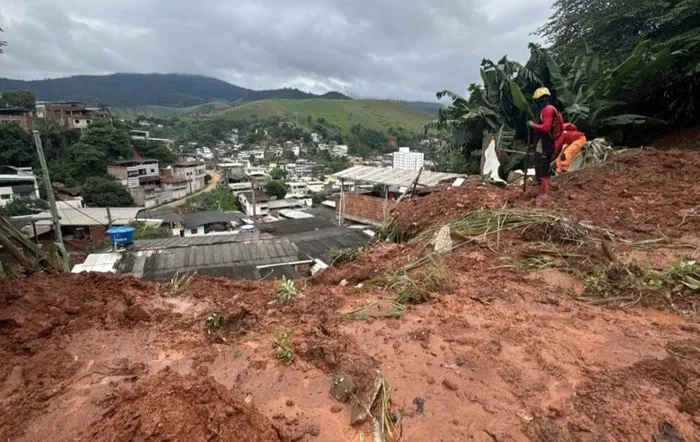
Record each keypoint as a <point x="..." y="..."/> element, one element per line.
<point x="297" y="189"/>
<point x="239" y="256"/>
<point x="340" y="150"/>
<point x="404" y="159"/>
<point x="261" y="208"/>
<point x="17" y="182"/>
<point x="315" y="186"/>
<point x="258" y="178"/>
<point x="211" y="223"/>
<point x="20" y="115"/>
<point x="193" y="171"/>
<point x="142" y="179"/>
<point x="146" y="135"/>
<point x="174" y="187"/>
<point x="72" y="114"/>
<point x="315" y="137"/>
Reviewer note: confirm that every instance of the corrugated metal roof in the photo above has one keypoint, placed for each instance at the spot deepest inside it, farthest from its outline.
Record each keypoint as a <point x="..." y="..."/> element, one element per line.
<point x="285" y="227"/>
<point x="187" y="241"/>
<point x="221" y="259"/>
<point x="395" y="178"/>
<point x="318" y="244"/>
<point x="92" y="216"/>
<point x="197" y="219"/>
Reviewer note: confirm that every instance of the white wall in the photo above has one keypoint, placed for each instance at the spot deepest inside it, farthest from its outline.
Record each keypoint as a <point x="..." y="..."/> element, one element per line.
<point x="198" y="231"/>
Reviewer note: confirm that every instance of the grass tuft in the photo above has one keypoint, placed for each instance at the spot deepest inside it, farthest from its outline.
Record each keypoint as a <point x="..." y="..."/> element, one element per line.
<point x="282" y="345"/>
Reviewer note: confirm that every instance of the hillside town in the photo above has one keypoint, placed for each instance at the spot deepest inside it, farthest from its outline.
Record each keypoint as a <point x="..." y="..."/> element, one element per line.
<point x="277" y="189"/>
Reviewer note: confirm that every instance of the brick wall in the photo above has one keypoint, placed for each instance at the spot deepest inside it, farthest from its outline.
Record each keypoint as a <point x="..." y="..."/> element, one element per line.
<point x="366" y="208"/>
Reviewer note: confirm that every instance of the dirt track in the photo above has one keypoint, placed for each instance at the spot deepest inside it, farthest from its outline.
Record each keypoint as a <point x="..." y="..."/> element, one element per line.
<point x="506" y="354"/>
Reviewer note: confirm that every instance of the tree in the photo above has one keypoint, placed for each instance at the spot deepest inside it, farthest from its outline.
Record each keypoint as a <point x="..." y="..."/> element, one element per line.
<point x="105" y="192"/>
<point x="220" y="199"/>
<point x="23" y="99"/>
<point x="318" y="197"/>
<point x="86" y="160"/>
<point x="278" y="173"/>
<point x="114" y="141"/>
<point x="156" y="151"/>
<point x="23" y="206"/>
<point x="276" y="189"/>
<point x="207" y="179"/>
<point x="616" y="28"/>
<point x="16" y="146"/>
<point x="290" y="155"/>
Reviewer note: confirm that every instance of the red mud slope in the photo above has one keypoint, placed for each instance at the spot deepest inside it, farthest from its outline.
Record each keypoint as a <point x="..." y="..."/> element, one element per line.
<point x="499" y="354"/>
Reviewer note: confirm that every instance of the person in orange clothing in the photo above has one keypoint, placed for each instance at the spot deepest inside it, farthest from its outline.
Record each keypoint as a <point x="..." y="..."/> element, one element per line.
<point x="573" y="143"/>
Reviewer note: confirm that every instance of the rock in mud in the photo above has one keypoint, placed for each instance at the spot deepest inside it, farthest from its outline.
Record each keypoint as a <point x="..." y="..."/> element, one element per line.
<point x="450" y="384"/>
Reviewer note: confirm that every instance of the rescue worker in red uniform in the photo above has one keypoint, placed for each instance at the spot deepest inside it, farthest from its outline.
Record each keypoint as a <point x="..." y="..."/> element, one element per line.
<point x="547" y="136"/>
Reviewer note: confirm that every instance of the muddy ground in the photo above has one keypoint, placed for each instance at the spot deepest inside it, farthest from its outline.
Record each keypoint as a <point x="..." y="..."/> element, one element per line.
<point x="502" y="354"/>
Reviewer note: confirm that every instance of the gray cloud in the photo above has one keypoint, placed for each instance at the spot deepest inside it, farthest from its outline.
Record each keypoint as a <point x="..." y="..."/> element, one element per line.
<point x="406" y="49"/>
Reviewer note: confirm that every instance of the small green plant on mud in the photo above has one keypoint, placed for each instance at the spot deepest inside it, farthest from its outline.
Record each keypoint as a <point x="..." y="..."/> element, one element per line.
<point x="344" y="254"/>
<point x="282" y="345"/>
<point x="179" y="283"/>
<point x="214" y="322"/>
<point x="287" y="291"/>
<point x="416" y="289"/>
<point x="627" y="284"/>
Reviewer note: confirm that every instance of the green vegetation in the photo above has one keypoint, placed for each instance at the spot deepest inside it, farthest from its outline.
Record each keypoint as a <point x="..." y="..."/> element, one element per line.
<point x="16" y="146"/>
<point x="276" y="189"/>
<point x="23" y="206"/>
<point x="371" y="114"/>
<point x="278" y="173"/>
<point x="179" y="283"/>
<point x="615" y="29"/>
<point x="626" y="284"/>
<point x="146" y="231"/>
<point x="101" y="191"/>
<point x="287" y="291"/>
<point x="155" y="151"/>
<point x="219" y="199"/>
<point x="164" y="112"/>
<point x="282" y="345"/>
<point x="214" y="322"/>
<point x="19" y="98"/>
<point x="620" y="69"/>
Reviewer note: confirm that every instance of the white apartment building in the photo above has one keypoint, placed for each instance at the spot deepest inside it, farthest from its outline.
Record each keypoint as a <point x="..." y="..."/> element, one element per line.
<point x="297" y="189"/>
<point x="262" y="207"/>
<point x="404" y="159"/>
<point x="17" y="182"/>
<point x="341" y="150"/>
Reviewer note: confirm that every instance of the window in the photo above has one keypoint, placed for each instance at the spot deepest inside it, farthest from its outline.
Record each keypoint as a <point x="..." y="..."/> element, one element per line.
<point x="194" y="231"/>
<point x="89" y="121"/>
<point x="77" y="121"/>
<point x="153" y="170"/>
<point x="5" y="197"/>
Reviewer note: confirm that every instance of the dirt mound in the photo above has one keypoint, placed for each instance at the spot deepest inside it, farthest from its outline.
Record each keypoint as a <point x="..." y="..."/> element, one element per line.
<point x="43" y="304"/>
<point x="641" y="192"/>
<point x="169" y="406"/>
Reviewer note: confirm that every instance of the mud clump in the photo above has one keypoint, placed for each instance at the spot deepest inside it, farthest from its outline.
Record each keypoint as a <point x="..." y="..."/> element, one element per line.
<point x="169" y="406"/>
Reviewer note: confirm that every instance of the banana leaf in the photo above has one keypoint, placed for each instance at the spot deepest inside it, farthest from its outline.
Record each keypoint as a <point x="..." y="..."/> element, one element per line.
<point x="519" y="99"/>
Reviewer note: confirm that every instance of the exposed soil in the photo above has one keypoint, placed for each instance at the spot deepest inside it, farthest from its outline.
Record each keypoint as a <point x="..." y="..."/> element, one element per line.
<point x="504" y="354"/>
<point x="639" y="193"/>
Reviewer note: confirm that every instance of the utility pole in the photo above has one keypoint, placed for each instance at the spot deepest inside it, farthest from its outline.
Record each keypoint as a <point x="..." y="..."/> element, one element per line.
<point x="109" y="218"/>
<point x="254" y="207"/>
<point x="52" y="204"/>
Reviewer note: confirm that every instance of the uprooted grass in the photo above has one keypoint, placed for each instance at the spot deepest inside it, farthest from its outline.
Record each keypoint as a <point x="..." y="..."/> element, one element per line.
<point x="287" y="291"/>
<point x="416" y="288"/>
<point x="627" y="284"/>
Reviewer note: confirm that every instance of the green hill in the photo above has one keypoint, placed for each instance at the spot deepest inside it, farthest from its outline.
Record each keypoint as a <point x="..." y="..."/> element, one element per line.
<point x="379" y="115"/>
<point x="165" y="112"/>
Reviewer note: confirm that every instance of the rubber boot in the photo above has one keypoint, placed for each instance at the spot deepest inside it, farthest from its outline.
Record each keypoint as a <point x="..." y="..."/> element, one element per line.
<point x="544" y="185"/>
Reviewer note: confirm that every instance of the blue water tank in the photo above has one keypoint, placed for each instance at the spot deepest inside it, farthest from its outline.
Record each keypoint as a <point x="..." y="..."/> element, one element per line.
<point x="121" y="236"/>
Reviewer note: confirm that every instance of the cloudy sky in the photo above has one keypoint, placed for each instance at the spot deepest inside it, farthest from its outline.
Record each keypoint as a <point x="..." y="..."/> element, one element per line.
<point x="406" y="49"/>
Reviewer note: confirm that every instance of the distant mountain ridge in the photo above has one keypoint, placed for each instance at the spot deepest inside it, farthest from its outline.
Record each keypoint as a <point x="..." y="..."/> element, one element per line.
<point x="132" y="90"/>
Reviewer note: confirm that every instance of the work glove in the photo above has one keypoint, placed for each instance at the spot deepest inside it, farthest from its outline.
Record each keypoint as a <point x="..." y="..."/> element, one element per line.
<point x="530" y="123"/>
